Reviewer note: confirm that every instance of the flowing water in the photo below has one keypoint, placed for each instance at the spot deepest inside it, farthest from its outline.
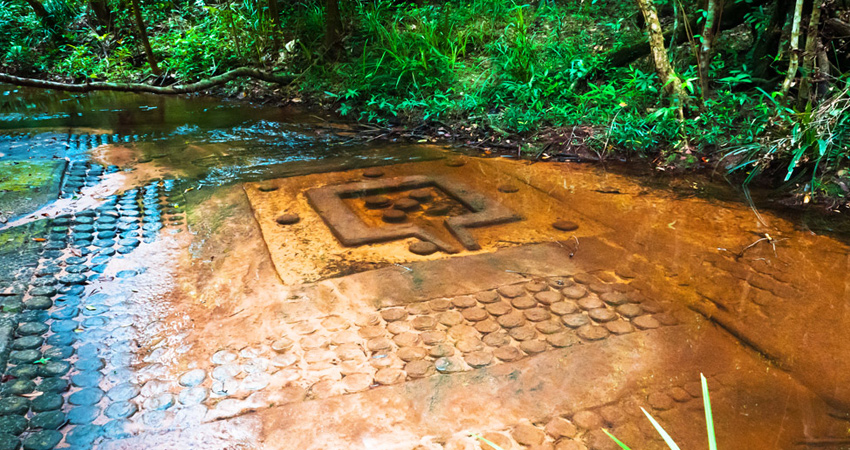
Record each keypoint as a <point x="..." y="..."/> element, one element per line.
<point x="187" y="272"/>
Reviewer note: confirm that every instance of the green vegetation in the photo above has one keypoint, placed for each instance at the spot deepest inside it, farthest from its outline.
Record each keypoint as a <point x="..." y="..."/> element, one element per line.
<point x="757" y="87"/>
<point x="26" y="185"/>
<point x="709" y="424"/>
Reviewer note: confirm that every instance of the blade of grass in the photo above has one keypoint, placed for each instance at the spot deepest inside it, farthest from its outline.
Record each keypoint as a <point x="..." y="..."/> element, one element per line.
<point x="709" y="419"/>
<point x="486" y="441"/>
<point x="661" y="431"/>
<point x="622" y="445"/>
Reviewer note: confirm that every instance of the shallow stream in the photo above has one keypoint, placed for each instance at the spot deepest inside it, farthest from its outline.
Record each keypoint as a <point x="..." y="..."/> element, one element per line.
<point x="153" y="295"/>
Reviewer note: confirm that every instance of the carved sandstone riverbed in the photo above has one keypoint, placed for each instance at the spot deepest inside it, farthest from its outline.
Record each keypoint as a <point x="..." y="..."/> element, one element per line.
<point x="177" y="310"/>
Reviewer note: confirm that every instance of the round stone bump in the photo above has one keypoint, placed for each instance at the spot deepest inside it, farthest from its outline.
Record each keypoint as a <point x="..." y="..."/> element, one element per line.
<point x="419" y="368"/>
<point x="24" y="356"/>
<point x="574" y="292"/>
<point x="373" y="172"/>
<point x="528" y="435"/>
<point x="562" y="339"/>
<point x="192" y="396"/>
<point x="575" y="320"/>
<point x="86" y="396"/>
<point x="549" y="326"/>
<point x="389" y="376"/>
<point x="592" y="333"/>
<point x="602" y="315"/>
<point x="82" y="415"/>
<point x="406" y="204"/>
<point x="487" y="297"/>
<point x="475" y="314"/>
<point x="498" y="309"/>
<point x="523" y="333"/>
<point x="394" y="314"/>
<point x="31" y="328"/>
<point x="511" y="291"/>
<point x="193" y="378"/>
<point x="619" y="327"/>
<point x="83" y="436"/>
<point x="588" y="420"/>
<point x="27" y="343"/>
<point x="507" y="353"/>
<point x="645" y="322"/>
<point x="48" y="420"/>
<point x="408" y="354"/>
<point x="14" y="425"/>
<point x="511" y="320"/>
<point x="160" y="402"/>
<point x="224" y="357"/>
<point x="565" y="225"/>
<point x="121" y="410"/>
<point x="18" y="387"/>
<point x="42" y="440"/>
<point x="589" y="303"/>
<point x="14" y="405"/>
<point x="523" y="302"/>
<point x="123" y="392"/>
<point x="376" y="201"/>
<point x="394" y="216"/>
<point x="287" y="219"/>
<point x="537" y="314"/>
<point x="423" y="323"/>
<point x="479" y="358"/>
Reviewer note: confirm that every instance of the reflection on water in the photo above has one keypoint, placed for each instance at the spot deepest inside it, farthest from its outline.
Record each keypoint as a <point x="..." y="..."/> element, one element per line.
<point x="207" y="141"/>
<point x="760" y="314"/>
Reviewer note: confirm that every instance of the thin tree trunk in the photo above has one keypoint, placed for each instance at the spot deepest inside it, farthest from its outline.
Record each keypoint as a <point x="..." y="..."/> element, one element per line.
<point x="733" y="15"/>
<point x="809" y="56"/>
<point x="140" y="87"/>
<point x="705" y="50"/>
<point x="143" y="36"/>
<point x="274" y="11"/>
<point x="794" y="54"/>
<point x="333" y="27"/>
<point x="672" y="85"/>
<point x="824" y="71"/>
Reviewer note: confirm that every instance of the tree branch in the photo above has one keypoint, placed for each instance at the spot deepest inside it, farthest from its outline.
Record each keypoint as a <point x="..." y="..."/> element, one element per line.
<point x="140" y="87"/>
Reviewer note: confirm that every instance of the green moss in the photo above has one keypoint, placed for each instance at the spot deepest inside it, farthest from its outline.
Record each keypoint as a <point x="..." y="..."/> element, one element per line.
<point x="26" y="185"/>
<point x="25" y="175"/>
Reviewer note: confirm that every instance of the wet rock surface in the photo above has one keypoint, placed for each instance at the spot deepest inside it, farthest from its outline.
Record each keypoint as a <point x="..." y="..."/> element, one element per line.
<point x="108" y="343"/>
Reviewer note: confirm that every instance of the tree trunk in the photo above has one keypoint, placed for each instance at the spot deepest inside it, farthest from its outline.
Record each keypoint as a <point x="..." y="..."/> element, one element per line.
<point x="671" y="83"/>
<point x="824" y="71"/>
<point x="712" y="9"/>
<point x="733" y="15"/>
<point x="767" y="44"/>
<point x="102" y="14"/>
<point x="794" y="54"/>
<point x="274" y="11"/>
<point x="41" y="13"/>
<point x="143" y="36"/>
<point x="139" y="87"/>
<point x="837" y="27"/>
<point x="809" y="56"/>
<point x="333" y="27"/>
